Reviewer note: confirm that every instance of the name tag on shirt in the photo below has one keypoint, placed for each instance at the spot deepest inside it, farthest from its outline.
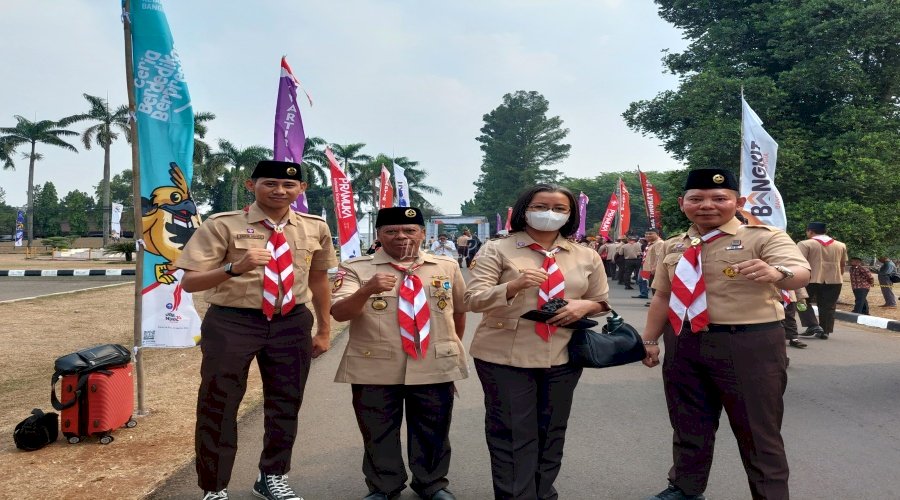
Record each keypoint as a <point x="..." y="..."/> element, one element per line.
<point x="245" y="236"/>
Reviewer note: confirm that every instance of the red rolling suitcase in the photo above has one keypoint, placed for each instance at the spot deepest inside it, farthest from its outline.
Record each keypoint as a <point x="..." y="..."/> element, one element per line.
<point x="103" y="403"/>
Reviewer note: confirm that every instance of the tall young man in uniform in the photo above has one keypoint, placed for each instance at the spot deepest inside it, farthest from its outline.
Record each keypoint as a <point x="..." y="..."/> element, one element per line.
<point x="725" y="348"/>
<point x="262" y="266"/>
<point x="827" y="258"/>
<point x="407" y="319"/>
<point x="649" y="259"/>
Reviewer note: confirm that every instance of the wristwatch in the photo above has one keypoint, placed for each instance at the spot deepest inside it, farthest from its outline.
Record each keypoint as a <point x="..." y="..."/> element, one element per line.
<point x="788" y="274"/>
<point x="228" y="270"/>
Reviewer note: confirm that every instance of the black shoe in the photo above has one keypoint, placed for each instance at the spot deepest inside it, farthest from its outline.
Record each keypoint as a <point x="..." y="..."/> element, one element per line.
<point x="812" y="331"/>
<point x="796" y="343"/>
<point x="823" y="336"/>
<point x="629" y="287"/>
<point x="647" y="304"/>
<point x="674" y="493"/>
<point x="273" y="487"/>
<point x="376" y="495"/>
<point x="639" y="297"/>
<point x="441" y="494"/>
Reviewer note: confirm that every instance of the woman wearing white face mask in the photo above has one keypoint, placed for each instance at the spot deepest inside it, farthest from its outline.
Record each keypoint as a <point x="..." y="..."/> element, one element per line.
<point x="523" y="365"/>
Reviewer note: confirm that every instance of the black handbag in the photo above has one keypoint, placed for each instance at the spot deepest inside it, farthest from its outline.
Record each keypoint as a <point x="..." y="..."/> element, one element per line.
<point x="36" y="431"/>
<point x="618" y="343"/>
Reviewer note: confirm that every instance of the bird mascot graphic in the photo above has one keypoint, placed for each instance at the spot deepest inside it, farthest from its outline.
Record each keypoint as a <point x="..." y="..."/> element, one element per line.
<point x="169" y="219"/>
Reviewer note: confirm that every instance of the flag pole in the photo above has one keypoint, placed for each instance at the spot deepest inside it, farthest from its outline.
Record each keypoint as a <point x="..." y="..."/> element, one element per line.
<point x="138" y="226"/>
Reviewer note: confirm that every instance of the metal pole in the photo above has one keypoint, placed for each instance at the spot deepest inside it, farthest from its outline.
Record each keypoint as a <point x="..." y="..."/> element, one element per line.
<point x="138" y="228"/>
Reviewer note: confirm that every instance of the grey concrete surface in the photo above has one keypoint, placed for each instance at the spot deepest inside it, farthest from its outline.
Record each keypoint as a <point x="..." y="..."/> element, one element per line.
<point x="841" y="428"/>
<point x="20" y="287"/>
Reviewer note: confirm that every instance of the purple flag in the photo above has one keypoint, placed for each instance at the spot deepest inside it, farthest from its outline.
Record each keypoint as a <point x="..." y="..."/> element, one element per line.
<point x="289" y="135"/>
<point x="582" y="214"/>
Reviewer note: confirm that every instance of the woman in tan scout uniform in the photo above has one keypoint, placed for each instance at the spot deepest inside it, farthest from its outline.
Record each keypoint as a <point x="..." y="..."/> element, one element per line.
<point x="523" y="365"/>
<point x="407" y="319"/>
<point x="726" y="348"/>
<point x="252" y="316"/>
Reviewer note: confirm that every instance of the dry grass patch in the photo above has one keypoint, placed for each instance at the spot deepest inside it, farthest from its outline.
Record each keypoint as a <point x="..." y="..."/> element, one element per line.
<point x="35" y="333"/>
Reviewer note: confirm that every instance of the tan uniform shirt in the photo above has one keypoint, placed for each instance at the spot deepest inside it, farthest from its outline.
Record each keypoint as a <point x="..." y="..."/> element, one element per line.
<point x="630" y="250"/>
<point x="611" y="250"/>
<point x="226" y="236"/>
<point x="825" y="262"/>
<point x="374" y="353"/>
<point x="651" y="259"/>
<point x="734" y="300"/>
<point x="462" y="241"/>
<point x="504" y="338"/>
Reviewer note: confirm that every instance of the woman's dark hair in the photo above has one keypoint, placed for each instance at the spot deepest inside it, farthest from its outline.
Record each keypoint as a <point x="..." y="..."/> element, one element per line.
<point x="518" y="222"/>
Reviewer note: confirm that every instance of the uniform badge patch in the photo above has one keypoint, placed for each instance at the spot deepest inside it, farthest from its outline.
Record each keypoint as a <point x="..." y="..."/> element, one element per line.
<point x="442" y="304"/>
<point x="338" y="283"/>
<point x="379" y="303"/>
<point x="735" y="245"/>
<point x="521" y="244"/>
<point x="730" y="272"/>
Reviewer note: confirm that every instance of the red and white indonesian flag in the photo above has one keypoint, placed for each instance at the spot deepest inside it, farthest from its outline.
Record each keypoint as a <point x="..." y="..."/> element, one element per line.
<point x="624" y="209"/>
<point x="611" y="208"/>
<point x="759" y="154"/>
<point x="386" y="197"/>
<point x="651" y="202"/>
<point x="344" y="209"/>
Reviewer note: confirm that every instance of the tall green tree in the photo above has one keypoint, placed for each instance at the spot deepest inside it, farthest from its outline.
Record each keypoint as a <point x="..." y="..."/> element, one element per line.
<point x="103" y="131"/>
<point x="32" y="133"/>
<point x="241" y="161"/>
<point x="519" y="142"/>
<point x="47" y="211"/>
<point x="315" y="162"/>
<point x="76" y="208"/>
<point x="201" y="147"/>
<point x="824" y="75"/>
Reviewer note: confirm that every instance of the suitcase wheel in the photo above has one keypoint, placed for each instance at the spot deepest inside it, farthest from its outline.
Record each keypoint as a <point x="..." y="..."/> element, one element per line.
<point x="106" y="439"/>
<point x="74" y="439"/>
<point x="131" y="423"/>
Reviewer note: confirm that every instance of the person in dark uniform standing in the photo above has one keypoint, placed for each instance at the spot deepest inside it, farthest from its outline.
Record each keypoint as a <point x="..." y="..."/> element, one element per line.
<point x="725" y="347"/>
<point x="262" y="266"/>
<point x="407" y="318"/>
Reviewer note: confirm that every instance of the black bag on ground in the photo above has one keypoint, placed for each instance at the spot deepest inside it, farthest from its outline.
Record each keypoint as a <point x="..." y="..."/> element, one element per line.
<point x="36" y="431"/>
<point x="895" y="278"/>
<point x="618" y="343"/>
<point x="86" y="361"/>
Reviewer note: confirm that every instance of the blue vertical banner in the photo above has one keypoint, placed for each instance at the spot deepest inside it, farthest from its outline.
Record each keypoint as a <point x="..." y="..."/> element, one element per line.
<point x="20" y="228"/>
<point x="165" y="131"/>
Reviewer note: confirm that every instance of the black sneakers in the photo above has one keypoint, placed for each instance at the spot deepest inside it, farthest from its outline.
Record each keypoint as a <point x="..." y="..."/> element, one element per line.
<point x="216" y="495"/>
<point x="812" y="331"/>
<point x="796" y="343"/>
<point x="674" y="493"/>
<point x="274" y="487"/>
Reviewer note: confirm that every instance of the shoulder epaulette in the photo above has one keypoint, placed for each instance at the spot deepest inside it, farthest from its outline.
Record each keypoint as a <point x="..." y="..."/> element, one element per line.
<point x="225" y="214"/>
<point x="763" y="226"/>
<point x="311" y="216"/>
<point x="361" y="258"/>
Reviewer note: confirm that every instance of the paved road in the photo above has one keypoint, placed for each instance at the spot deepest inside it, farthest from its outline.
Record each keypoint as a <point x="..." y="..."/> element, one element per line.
<point x="20" y="287"/>
<point x="842" y="430"/>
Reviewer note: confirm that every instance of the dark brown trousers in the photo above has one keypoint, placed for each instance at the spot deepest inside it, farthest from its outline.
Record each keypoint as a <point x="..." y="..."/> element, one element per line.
<point x="526" y="416"/>
<point x="379" y="413"/>
<point x="232" y="338"/>
<point x="825" y="296"/>
<point x="744" y="373"/>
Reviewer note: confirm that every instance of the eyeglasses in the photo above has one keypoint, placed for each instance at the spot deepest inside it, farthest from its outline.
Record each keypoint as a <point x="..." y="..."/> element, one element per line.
<point x="560" y="209"/>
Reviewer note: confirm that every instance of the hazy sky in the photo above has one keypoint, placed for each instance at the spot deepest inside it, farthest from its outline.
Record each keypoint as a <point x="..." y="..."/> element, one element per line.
<point x="410" y="78"/>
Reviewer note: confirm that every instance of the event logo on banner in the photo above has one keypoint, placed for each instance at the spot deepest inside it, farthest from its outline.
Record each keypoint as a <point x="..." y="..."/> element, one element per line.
<point x="582" y="215"/>
<point x="344" y="209"/>
<point x="651" y="202"/>
<point x="20" y="228"/>
<point x="115" y="221"/>
<point x="402" y="186"/>
<point x="611" y="209"/>
<point x="165" y="126"/>
<point x="289" y="134"/>
<point x="759" y="154"/>
<point x="386" y="196"/>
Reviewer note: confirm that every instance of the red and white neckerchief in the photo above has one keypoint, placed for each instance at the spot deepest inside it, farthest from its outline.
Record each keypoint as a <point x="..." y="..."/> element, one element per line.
<point x="552" y="288"/>
<point x="785" y="297"/>
<point x="279" y="272"/>
<point x="688" y="299"/>
<point x="824" y="239"/>
<point x="412" y="313"/>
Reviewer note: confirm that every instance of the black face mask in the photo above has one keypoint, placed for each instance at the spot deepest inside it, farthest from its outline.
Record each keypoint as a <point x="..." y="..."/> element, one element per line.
<point x="36" y="431"/>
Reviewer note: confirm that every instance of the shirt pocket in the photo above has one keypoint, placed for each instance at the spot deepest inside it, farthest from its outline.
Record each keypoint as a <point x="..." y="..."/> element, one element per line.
<point x="239" y="247"/>
<point x="370" y="350"/>
<point x="304" y="249"/>
<point x="435" y="295"/>
<point x="383" y="304"/>
<point x="728" y="259"/>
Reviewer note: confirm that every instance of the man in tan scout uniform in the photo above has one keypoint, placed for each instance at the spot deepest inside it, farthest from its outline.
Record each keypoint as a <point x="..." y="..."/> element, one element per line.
<point x="407" y="319"/>
<point x="725" y="347"/>
<point x="258" y="300"/>
<point x="827" y="258"/>
<point x="631" y="253"/>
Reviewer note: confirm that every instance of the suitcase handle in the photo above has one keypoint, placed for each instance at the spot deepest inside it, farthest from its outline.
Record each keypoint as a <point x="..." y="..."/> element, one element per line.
<point x="57" y="405"/>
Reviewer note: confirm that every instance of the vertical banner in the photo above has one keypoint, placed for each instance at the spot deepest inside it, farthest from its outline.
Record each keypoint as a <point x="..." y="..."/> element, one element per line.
<point x="651" y="202"/>
<point x="386" y="196"/>
<point x="499" y="222"/>
<point x="115" y="220"/>
<point x="289" y="134"/>
<point x="582" y="215"/>
<point x="508" y="225"/>
<point x="165" y="131"/>
<point x="344" y="209"/>
<point x="759" y="154"/>
<point x="324" y="215"/>
<point x="611" y="209"/>
<point x="624" y="210"/>
<point x="20" y="228"/>
<point x="402" y="186"/>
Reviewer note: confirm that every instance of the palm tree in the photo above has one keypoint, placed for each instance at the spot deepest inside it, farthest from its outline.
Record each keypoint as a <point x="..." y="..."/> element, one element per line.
<point x="201" y="148"/>
<point x="102" y="132"/>
<point x="6" y="152"/>
<point x="29" y="132"/>
<point x="315" y="161"/>
<point x="240" y="160"/>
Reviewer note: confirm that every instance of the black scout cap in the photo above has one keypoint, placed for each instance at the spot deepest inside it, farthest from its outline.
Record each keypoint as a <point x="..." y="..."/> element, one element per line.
<point x="395" y="216"/>
<point x="817" y="227"/>
<point x="278" y="170"/>
<point x="711" y="178"/>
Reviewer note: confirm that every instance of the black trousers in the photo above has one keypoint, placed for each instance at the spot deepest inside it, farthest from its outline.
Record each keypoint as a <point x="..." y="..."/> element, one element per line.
<point x="825" y="296"/>
<point x="379" y="413"/>
<point x="744" y="373"/>
<point x="231" y="338"/>
<point x="526" y="415"/>
<point x="632" y="267"/>
<point x="790" y="322"/>
<point x="861" y="303"/>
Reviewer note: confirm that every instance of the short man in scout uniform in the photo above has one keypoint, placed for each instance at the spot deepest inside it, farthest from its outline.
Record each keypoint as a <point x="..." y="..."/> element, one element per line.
<point x="407" y="320"/>
<point x="631" y="255"/>
<point x="724" y="348"/>
<point x="262" y="266"/>
<point x="828" y="259"/>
